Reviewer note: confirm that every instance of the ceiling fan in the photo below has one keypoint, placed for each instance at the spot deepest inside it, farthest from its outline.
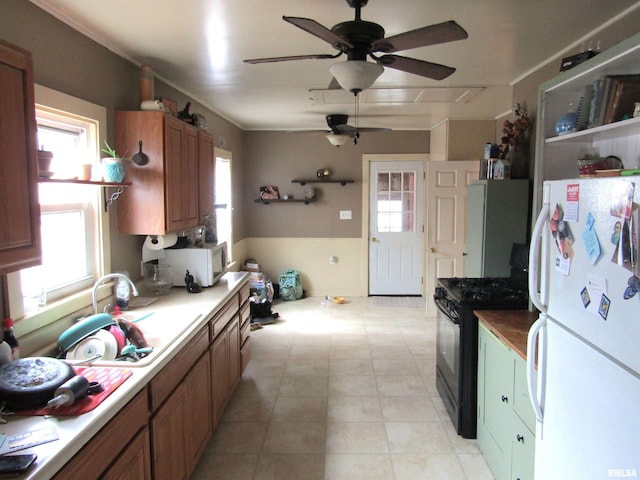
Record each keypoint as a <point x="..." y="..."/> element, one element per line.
<point x="359" y="39"/>
<point x="341" y="132"/>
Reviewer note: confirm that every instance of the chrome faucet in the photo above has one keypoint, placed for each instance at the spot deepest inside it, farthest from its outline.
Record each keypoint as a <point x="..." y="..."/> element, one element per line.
<point x="134" y="290"/>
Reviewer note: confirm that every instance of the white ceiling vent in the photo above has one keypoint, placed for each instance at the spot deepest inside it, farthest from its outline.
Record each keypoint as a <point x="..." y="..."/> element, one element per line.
<point x="386" y="96"/>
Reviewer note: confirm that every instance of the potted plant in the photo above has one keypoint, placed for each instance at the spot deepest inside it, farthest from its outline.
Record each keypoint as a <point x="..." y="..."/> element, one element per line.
<point x="113" y="165"/>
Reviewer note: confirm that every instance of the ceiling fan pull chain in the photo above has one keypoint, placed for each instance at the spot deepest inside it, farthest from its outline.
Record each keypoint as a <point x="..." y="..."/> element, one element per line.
<point x="357" y="112"/>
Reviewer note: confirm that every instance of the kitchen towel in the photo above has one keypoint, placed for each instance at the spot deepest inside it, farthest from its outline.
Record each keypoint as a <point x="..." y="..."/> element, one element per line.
<point x="110" y="378"/>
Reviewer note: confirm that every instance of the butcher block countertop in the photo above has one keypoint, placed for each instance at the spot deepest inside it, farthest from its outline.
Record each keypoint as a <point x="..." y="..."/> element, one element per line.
<point x="511" y="326"/>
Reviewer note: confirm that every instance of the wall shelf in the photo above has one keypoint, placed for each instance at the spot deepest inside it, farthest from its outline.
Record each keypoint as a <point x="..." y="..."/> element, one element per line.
<point x="303" y="181"/>
<point x="108" y="200"/>
<point x="306" y="201"/>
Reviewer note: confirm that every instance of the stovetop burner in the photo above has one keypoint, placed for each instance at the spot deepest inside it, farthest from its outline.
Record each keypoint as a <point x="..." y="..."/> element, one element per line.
<point x="486" y="292"/>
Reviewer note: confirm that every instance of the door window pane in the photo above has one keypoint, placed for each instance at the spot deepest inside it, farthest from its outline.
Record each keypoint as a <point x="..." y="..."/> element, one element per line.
<point x="396" y="201"/>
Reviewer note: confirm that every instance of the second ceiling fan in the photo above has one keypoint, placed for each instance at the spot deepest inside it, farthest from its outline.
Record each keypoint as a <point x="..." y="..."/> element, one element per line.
<point x="359" y="39"/>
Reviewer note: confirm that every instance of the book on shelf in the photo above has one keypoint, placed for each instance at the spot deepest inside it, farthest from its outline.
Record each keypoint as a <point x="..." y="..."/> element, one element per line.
<point x="612" y="99"/>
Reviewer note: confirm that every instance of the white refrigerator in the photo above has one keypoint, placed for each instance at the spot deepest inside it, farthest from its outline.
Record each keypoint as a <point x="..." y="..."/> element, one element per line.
<point x="584" y="350"/>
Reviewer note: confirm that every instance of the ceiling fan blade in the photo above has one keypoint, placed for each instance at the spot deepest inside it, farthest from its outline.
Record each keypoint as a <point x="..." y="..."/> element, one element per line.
<point x="417" y="67"/>
<point x="334" y="85"/>
<point x="432" y="35"/>
<point x="320" y="56"/>
<point x="320" y="31"/>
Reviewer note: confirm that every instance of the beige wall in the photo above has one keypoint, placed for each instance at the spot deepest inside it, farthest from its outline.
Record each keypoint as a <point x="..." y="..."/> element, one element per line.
<point x="276" y="158"/>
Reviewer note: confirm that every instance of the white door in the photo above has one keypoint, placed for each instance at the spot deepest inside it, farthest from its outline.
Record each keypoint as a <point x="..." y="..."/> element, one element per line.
<point x="446" y="219"/>
<point x="396" y="228"/>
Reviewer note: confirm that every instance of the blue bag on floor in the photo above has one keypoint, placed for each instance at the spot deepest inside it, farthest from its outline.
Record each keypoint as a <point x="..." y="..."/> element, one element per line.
<point x="291" y="285"/>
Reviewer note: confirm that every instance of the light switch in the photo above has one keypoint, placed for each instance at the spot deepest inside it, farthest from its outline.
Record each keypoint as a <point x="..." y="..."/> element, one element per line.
<point x="345" y="214"/>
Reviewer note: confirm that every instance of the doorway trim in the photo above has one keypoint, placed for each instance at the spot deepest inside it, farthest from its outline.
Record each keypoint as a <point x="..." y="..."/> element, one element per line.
<point x="367" y="159"/>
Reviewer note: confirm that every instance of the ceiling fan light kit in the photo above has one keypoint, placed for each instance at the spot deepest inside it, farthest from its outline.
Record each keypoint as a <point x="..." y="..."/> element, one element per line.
<point x="356" y="75"/>
<point x="337" y="139"/>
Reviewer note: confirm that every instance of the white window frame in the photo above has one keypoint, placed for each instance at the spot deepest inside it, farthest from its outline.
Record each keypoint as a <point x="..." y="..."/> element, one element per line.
<point x="51" y="100"/>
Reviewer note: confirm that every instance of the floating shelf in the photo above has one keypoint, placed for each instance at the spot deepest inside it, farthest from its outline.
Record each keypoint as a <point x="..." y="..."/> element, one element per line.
<point x="303" y="181"/>
<point x="306" y="201"/>
<point x="108" y="200"/>
<point x="83" y="182"/>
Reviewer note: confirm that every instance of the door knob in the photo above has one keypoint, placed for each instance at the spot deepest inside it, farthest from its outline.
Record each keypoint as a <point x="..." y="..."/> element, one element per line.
<point x="374" y="239"/>
<point x="432" y="250"/>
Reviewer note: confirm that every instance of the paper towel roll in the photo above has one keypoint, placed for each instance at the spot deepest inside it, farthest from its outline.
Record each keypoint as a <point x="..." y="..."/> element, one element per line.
<point x="159" y="242"/>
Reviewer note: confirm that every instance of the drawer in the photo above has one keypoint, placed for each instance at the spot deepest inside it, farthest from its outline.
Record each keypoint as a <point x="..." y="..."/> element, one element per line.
<point x="243" y="294"/>
<point x="172" y="374"/>
<point x="244" y="332"/>
<point x="521" y="402"/>
<point x="245" y="313"/>
<point x="223" y="317"/>
<point x="245" y="353"/>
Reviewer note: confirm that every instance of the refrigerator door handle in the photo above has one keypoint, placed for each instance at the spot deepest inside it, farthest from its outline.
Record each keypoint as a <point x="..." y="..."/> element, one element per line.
<point x="535" y="262"/>
<point x="536" y="342"/>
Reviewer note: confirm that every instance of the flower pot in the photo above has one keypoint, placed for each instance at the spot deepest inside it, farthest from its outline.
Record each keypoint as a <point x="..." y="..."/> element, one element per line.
<point x="44" y="161"/>
<point x="113" y="170"/>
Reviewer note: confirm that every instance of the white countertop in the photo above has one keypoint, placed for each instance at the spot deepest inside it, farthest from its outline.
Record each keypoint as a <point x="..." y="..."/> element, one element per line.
<point x="179" y="315"/>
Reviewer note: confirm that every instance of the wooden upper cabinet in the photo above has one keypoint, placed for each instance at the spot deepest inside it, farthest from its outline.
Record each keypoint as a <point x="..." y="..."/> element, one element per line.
<point x="20" y="244"/>
<point x="207" y="165"/>
<point x="165" y="193"/>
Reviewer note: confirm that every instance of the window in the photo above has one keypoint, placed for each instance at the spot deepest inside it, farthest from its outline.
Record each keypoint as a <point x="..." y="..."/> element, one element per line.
<point x="396" y="203"/>
<point x="73" y="223"/>
<point x="223" y="197"/>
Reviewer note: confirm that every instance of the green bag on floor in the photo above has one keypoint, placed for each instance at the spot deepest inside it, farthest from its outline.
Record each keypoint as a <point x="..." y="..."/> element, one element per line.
<point x="291" y="285"/>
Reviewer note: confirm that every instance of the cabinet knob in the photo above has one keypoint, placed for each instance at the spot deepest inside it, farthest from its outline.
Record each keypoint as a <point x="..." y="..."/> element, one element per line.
<point x="504" y="398"/>
<point x="464" y="254"/>
<point x="520" y="438"/>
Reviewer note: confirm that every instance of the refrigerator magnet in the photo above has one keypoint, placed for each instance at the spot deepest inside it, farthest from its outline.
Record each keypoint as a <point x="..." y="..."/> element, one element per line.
<point x="584" y="294"/>
<point x="590" y="239"/>
<point x="604" y="306"/>
<point x="573" y="199"/>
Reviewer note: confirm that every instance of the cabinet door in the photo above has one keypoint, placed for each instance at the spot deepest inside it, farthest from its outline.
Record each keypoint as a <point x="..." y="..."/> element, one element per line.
<point x="206" y="166"/>
<point x="191" y="176"/>
<point x="167" y="433"/>
<point x="498" y="388"/>
<point x="234" y="367"/>
<point x="134" y="463"/>
<point x="174" y="177"/>
<point x="19" y="206"/>
<point x="523" y="452"/>
<point x="198" y="418"/>
<point x="219" y="367"/>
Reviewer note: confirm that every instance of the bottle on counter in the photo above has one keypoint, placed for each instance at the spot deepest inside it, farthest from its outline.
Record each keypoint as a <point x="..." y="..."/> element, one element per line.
<point x="122" y="292"/>
<point x="10" y="338"/>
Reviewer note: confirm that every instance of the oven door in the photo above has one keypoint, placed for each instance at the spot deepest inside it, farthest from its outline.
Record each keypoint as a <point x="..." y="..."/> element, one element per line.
<point x="448" y="354"/>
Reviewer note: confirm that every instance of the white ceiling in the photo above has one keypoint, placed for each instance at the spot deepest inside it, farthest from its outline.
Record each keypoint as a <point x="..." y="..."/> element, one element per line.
<point x="198" y="47"/>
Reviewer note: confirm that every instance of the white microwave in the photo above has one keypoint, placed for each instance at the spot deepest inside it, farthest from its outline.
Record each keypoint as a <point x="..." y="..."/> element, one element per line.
<point x="206" y="264"/>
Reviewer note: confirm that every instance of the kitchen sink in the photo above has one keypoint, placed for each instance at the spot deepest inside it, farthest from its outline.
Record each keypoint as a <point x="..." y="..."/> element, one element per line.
<point x="159" y="330"/>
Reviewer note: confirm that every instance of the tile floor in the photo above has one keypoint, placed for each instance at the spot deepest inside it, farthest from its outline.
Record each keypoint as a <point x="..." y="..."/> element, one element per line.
<point x="341" y="392"/>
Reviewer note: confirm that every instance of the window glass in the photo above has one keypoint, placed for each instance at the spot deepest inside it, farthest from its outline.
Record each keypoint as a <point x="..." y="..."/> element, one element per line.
<point x="396" y="201"/>
<point x="69" y="213"/>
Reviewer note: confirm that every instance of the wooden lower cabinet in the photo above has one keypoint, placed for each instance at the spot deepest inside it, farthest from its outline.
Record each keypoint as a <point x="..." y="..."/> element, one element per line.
<point x="506" y="423"/>
<point x="134" y="463"/>
<point x="181" y="428"/>
<point x="105" y="451"/>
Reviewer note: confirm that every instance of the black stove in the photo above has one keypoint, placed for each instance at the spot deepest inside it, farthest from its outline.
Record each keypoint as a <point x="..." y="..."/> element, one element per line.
<point x="457" y="337"/>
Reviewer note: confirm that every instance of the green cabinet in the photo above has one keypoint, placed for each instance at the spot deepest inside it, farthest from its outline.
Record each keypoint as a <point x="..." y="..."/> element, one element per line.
<point x="506" y="422"/>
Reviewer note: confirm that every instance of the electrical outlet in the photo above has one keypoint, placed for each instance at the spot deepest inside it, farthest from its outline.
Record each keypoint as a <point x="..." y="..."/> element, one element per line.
<point x="345" y="214"/>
